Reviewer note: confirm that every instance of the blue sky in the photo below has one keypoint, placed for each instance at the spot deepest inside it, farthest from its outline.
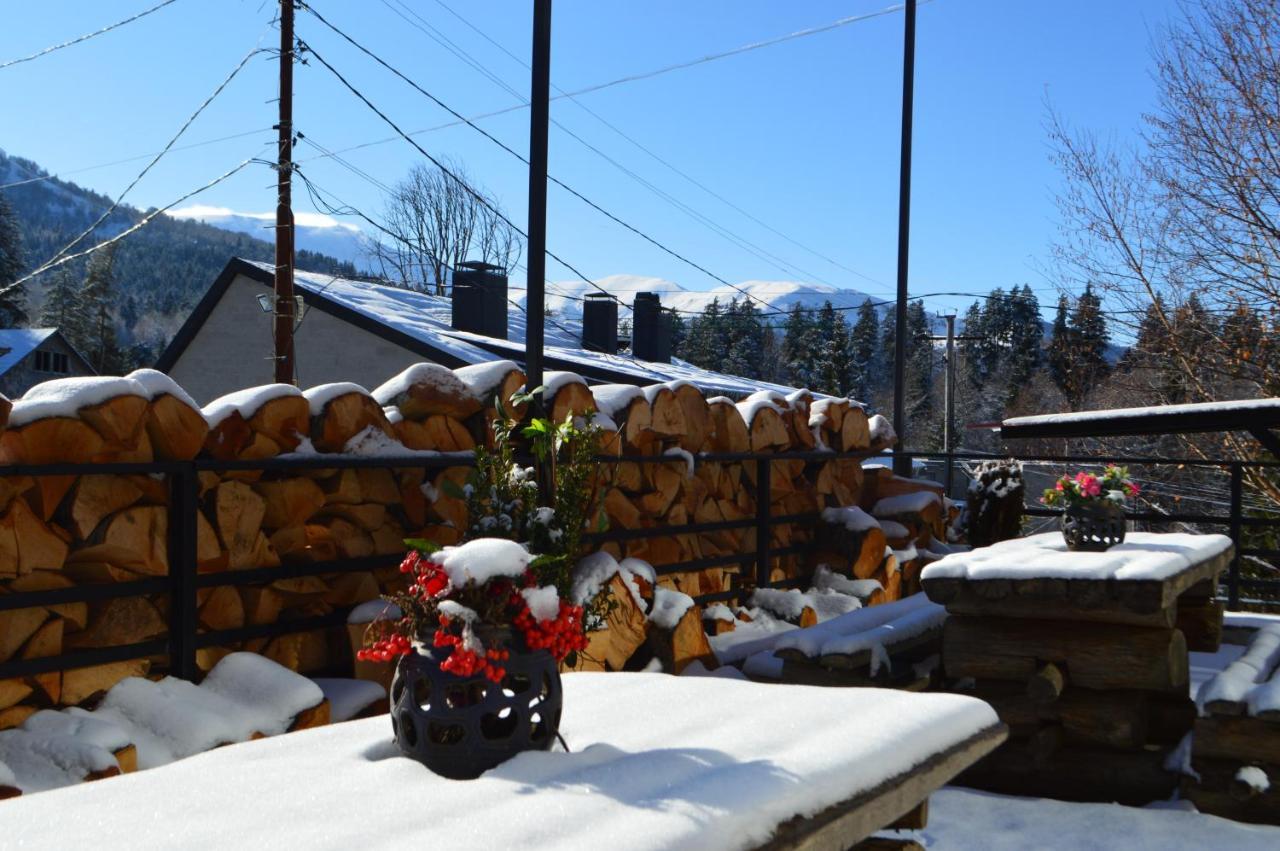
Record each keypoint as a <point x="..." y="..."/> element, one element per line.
<point x="802" y="135"/>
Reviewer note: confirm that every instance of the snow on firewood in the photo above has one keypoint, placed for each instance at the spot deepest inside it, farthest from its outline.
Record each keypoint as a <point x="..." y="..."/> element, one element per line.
<point x="1254" y="777"/>
<point x="1142" y="556"/>
<point x="483" y="559"/>
<point x="172" y="719"/>
<point x="612" y="399"/>
<point x="7" y="777"/>
<point x="669" y="607"/>
<point x="79" y="724"/>
<point x="881" y="431"/>
<point x="543" y="603"/>
<point x="481" y="377"/>
<point x="323" y="394"/>
<point x="893" y="529"/>
<point x="554" y="380"/>
<point x="863" y="628"/>
<point x="348" y="698"/>
<point x="905" y="503"/>
<point x="246" y="402"/>
<point x="749" y="407"/>
<point x="683" y="454"/>
<point x="852" y="518"/>
<point x="40" y="761"/>
<point x="824" y="578"/>
<point x="156" y="384"/>
<point x="1239" y="679"/>
<point x="718" y="612"/>
<point x="62" y="397"/>
<point x="594" y="571"/>
<point x="268" y="695"/>
<point x="432" y="375"/>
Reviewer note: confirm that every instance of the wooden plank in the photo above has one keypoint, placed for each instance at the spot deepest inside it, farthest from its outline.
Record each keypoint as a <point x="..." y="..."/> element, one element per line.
<point x="1201" y="622"/>
<point x="1075" y="774"/>
<point x="1098" y="656"/>
<point x="1247" y="740"/>
<point x="1217" y="793"/>
<point x="862" y="659"/>
<point x="843" y="824"/>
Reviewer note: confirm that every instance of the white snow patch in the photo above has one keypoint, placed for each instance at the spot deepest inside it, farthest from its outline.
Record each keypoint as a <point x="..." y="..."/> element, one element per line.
<point x="323" y="394"/>
<point x="156" y="384"/>
<point x="850" y="517"/>
<point x="893" y="530"/>
<point x="826" y="579"/>
<point x="481" y="378"/>
<point x="40" y="761"/>
<point x="866" y="628"/>
<point x="882" y="431"/>
<point x="375" y="610"/>
<point x="751" y="406"/>
<point x="763" y="665"/>
<point x="63" y="397"/>
<point x="613" y="399"/>
<point x="79" y="724"/>
<point x="246" y="402"/>
<point x="905" y="503"/>
<point x="594" y="571"/>
<point x="269" y="695"/>
<point x="1142" y="556"/>
<point x="684" y="454"/>
<point x="348" y="698"/>
<point x="554" y="380"/>
<point x="669" y="607"/>
<point x="1239" y="679"/>
<point x="718" y="612"/>
<point x="483" y="559"/>
<point x="543" y="603"/>
<point x="432" y="375"/>
<point x="1255" y="778"/>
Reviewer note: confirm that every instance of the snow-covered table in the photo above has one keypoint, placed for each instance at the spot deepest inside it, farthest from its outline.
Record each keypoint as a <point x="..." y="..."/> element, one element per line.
<point x="657" y="762"/>
<point x="1083" y="655"/>
<point x="1136" y="582"/>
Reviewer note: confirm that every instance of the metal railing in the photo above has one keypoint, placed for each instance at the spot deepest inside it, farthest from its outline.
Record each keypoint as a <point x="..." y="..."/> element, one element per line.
<point x="183" y="581"/>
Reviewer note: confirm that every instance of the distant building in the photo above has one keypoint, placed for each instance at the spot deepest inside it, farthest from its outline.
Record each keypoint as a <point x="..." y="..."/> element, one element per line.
<point x="366" y="333"/>
<point x="31" y="355"/>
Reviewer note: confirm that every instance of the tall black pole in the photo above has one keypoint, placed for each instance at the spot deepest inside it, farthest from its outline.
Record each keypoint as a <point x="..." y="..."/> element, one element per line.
<point x="902" y="466"/>
<point x="949" y="392"/>
<point x="282" y="317"/>
<point x="540" y="103"/>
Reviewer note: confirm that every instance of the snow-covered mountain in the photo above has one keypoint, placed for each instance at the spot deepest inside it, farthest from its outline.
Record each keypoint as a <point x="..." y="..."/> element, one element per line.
<point x="564" y="297"/>
<point x="315" y="231"/>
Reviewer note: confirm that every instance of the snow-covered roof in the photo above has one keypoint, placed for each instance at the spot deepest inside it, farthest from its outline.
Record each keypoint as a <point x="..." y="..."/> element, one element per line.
<point x="1163" y="419"/>
<point x="17" y="343"/>
<point x="427" y="319"/>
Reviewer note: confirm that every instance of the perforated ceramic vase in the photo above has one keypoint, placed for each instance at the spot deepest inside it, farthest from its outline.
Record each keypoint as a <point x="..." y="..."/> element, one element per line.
<point x="1093" y="526"/>
<point x="460" y="727"/>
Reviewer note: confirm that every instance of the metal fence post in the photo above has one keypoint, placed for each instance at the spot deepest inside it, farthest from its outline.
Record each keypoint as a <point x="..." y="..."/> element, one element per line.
<point x="183" y="505"/>
<point x="1237" y="497"/>
<point x="763" y="531"/>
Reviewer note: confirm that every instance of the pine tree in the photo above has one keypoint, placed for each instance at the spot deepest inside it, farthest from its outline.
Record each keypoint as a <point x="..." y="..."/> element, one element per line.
<point x="970" y="346"/>
<point x="1061" y="348"/>
<point x="744" y="340"/>
<point x="864" y="346"/>
<point x="919" y="363"/>
<point x="1026" y="338"/>
<point x="96" y="297"/>
<point x="677" y="326"/>
<point x="62" y="308"/>
<point x="835" y="360"/>
<point x="1089" y="359"/>
<point x="13" y="299"/>
<point x="798" y="347"/>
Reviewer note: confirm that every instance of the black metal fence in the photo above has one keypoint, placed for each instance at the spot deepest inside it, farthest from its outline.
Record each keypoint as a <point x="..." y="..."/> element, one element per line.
<point x="184" y="637"/>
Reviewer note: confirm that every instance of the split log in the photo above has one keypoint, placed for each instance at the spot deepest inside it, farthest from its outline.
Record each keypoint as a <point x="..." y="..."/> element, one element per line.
<point x="219" y="608"/>
<point x="75" y="614"/>
<point x="1245" y="740"/>
<point x="86" y="686"/>
<point x="764" y="425"/>
<point x="1105" y="656"/>
<point x="729" y="430"/>
<point x="855" y="433"/>
<point x="176" y="429"/>
<point x="52" y="440"/>
<point x="262" y="605"/>
<point x="12" y="691"/>
<point x="238" y="514"/>
<point x="666" y="416"/>
<point x="425" y="389"/>
<point x="309" y="543"/>
<point x="289" y="502"/>
<point x="97" y="497"/>
<point x="43" y="643"/>
<point x="565" y="398"/>
<point x="336" y="419"/>
<point x="679" y="647"/>
<point x="626" y="627"/>
<point x="698" y="422"/>
<point x="29" y="542"/>
<point x="16" y="626"/>
<point x="125" y="620"/>
<point x="628" y="408"/>
<point x="14" y="716"/>
<point x="1046" y="684"/>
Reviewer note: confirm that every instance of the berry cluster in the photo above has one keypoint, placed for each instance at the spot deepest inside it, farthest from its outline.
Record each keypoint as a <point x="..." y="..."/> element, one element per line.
<point x="429" y="581"/>
<point x="560" y="636"/>
<point x="386" y="649"/>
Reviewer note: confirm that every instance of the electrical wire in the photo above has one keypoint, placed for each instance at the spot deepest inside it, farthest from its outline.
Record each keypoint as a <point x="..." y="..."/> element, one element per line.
<point x="159" y="155"/>
<point x="590" y="203"/>
<point x="87" y="36"/>
<point x="145" y="220"/>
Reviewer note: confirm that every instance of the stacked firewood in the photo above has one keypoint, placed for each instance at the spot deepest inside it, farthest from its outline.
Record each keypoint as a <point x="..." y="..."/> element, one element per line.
<point x="66" y="530"/>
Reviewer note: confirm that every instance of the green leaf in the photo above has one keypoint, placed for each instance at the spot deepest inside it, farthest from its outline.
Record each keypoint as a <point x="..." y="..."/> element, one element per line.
<point x="422" y="545"/>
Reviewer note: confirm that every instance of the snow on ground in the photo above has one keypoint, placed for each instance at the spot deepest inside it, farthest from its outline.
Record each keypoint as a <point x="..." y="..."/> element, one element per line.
<point x="1142" y="556"/>
<point x="348" y="698"/>
<point x="968" y="820"/>
<point x="1245" y="679"/>
<point x="691" y="776"/>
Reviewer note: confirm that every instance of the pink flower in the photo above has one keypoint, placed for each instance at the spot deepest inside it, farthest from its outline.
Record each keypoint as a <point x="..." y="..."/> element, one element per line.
<point x="1132" y="488"/>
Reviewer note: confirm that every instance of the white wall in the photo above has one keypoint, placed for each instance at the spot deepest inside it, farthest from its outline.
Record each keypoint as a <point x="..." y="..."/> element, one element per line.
<point x="233" y="349"/>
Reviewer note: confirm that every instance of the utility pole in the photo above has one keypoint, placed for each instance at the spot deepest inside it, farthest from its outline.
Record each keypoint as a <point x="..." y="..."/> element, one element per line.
<point x="902" y="466"/>
<point x="539" y="113"/>
<point x="949" y="400"/>
<point x="283" y="317"/>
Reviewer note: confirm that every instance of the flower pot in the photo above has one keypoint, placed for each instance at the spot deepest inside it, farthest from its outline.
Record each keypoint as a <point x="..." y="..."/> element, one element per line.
<point x="1093" y="526"/>
<point x="460" y="727"/>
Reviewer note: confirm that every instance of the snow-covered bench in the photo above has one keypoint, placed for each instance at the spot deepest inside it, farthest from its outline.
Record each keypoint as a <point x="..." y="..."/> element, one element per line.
<point x="656" y="763"/>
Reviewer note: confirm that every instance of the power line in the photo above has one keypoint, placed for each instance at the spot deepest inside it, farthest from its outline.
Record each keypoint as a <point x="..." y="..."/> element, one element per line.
<point x="159" y="155"/>
<point x="738" y="241"/>
<point x="655" y="156"/>
<point x="145" y="220"/>
<point x="513" y="152"/>
<point x="43" y="177"/>
<point x="484" y="202"/>
<point x="87" y="36"/>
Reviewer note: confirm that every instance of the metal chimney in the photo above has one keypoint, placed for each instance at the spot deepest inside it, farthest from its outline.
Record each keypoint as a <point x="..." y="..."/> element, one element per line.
<point x="600" y="323"/>
<point x="650" y="329"/>
<point x="480" y="299"/>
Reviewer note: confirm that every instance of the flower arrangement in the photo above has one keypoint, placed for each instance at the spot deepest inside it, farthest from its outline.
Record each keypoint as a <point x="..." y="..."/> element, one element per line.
<point x="1114" y="487"/>
<point x="511" y="577"/>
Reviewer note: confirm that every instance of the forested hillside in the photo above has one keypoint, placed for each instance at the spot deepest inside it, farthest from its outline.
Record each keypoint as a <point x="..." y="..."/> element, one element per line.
<point x="158" y="273"/>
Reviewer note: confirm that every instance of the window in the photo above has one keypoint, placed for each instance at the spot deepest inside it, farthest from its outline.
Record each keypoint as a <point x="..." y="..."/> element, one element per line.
<point x="52" y="362"/>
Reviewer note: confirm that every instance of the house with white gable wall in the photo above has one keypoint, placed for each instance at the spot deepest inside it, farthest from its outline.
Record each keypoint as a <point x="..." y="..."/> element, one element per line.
<point x="364" y="332"/>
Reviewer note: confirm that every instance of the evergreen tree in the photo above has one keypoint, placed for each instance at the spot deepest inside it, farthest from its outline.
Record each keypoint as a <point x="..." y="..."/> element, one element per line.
<point x="702" y="344"/>
<point x="919" y="362"/>
<point x="1061" y="348"/>
<point x="1026" y="340"/>
<point x="96" y="296"/>
<point x="677" y="327"/>
<point x="744" y="340"/>
<point x="799" y="347"/>
<point x="970" y="348"/>
<point x="835" y="363"/>
<point x="1089" y="332"/>
<point x="864" y="346"/>
<point x="62" y="308"/>
<point x="13" y="299"/>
